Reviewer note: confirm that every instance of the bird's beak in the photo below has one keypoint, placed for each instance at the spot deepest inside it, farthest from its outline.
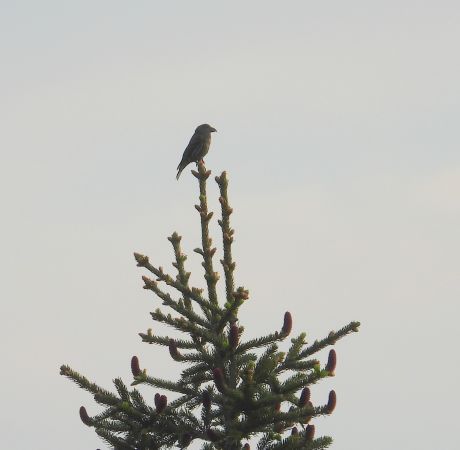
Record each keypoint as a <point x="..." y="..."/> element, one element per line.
<point x="213" y="130"/>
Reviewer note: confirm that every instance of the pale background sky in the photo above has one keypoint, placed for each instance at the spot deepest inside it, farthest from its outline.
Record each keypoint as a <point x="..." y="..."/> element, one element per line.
<point x="338" y="123"/>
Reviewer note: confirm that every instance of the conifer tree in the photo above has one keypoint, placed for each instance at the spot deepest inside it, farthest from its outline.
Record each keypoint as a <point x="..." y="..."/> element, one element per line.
<point x="230" y="390"/>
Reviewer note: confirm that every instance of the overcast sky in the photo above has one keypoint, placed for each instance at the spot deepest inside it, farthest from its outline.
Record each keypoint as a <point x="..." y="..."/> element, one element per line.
<point x="338" y="123"/>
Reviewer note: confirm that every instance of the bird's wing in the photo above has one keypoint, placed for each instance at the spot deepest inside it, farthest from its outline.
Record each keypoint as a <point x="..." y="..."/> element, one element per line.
<point x="197" y="151"/>
<point x="193" y="148"/>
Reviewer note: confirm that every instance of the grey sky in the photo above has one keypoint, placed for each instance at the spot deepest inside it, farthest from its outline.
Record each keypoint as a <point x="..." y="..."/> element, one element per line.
<point x="338" y="125"/>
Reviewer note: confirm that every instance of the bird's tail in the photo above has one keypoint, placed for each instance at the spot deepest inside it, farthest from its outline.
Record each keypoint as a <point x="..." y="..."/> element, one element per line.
<point x="180" y="168"/>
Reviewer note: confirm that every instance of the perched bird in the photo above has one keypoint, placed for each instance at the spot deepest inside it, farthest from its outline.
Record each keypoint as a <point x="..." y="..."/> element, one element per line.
<point x="197" y="147"/>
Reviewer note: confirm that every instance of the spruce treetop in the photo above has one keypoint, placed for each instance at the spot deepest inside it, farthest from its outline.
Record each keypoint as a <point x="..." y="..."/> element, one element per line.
<point x="230" y="390"/>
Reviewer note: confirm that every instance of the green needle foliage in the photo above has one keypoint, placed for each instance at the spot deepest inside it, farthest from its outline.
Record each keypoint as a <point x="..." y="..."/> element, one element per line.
<point x="230" y="390"/>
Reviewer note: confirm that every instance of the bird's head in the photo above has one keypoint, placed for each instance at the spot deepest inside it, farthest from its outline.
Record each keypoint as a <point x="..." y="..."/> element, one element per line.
<point x="205" y="128"/>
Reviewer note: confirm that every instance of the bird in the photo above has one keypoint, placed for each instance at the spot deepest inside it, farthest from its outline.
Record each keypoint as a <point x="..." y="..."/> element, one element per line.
<point x="197" y="148"/>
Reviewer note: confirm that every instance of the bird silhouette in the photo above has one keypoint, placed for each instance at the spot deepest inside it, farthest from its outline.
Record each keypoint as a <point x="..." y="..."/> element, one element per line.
<point x="197" y="148"/>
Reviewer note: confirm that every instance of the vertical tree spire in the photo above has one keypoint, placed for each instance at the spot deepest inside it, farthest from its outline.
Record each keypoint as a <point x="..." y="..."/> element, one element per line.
<point x="207" y="251"/>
